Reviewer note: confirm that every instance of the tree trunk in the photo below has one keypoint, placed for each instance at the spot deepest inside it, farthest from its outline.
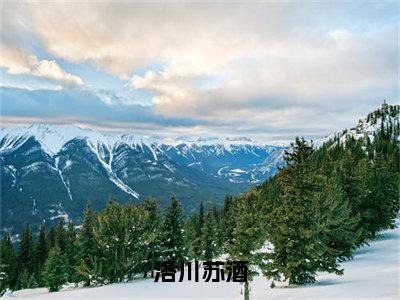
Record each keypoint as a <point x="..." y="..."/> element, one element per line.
<point x="246" y="291"/>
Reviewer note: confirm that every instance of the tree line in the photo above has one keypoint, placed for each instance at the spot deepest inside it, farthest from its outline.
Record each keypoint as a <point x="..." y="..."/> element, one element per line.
<point x="310" y="216"/>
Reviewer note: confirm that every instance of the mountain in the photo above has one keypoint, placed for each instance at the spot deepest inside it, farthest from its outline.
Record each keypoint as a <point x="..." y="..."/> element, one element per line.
<point x="50" y="171"/>
<point x="386" y="115"/>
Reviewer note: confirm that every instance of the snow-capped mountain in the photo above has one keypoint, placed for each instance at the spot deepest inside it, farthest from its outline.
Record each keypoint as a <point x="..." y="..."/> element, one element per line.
<point x="51" y="171"/>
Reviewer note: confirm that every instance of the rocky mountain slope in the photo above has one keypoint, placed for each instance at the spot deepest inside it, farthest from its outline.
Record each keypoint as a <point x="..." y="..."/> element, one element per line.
<point x="52" y="171"/>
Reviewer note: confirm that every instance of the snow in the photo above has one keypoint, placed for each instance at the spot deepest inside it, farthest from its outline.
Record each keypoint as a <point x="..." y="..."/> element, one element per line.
<point x="60" y="213"/>
<point x="54" y="137"/>
<point x="169" y="168"/>
<point x="362" y="129"/>
<point x="195" y="163"/>
<point x="111" y="174"/>
<point x="372" y="274"/>
<point x="13" y="172"/>
<point x="220" y="170"/>
<point x="64" y="181"/>
<point x="238" y="171"/>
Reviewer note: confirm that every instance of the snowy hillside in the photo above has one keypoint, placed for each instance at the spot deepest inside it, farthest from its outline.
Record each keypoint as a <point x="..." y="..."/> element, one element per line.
<point x="368" y="126"/>
<point x="372" y="274"/>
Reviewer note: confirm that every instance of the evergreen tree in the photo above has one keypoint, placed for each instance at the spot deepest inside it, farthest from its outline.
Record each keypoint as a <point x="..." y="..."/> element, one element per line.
<point x="121" y="238"/>
<point x="191" y="238"/>
<point x="172" y="233"/>
<point x="61" y="236"/>
<point x="209" y="236"/>
<point x="248" y="234"/>
<point x="56" y="270"/>
<point x="51" y="238"/>
<point x="153" y="235"/>
<point x="197" y="242"/>
<point x="41" y="252"/>
<point x="299" y="247"/>
<point x="71" y="251"/>
<point x="8" y="264"/>
<point x="25" y="253"/>
<point x="226" y="223"/>
<point x="23" y="280"/>
<point x="86" y="247"/>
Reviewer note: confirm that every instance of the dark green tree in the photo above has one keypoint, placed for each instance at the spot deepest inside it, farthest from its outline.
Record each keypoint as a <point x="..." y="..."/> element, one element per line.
<point x="71" y="251"/>
<point x="25" y="253"/>
<point x="8" y="264"/>
<point x="61" y="236"/>
<point x="56" y="270"/>
<point x="172" y="244"/>
<point x="152" y="228"/>
<point x="248" y="234"/>
<point x="299" y="247"/>
<point x="209" y="236"/>
<point x="51" y="238"/>
<point x="41" y="252"/>
<point x="86" y="247"/>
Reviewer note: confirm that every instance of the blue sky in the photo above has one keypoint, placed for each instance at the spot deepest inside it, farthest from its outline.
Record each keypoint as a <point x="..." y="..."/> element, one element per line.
<point x="268" y="70"/>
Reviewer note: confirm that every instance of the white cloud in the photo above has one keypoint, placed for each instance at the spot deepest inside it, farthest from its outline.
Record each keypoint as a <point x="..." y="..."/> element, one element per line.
<point x="282" y="64"/>
<point x="18" y="62"/>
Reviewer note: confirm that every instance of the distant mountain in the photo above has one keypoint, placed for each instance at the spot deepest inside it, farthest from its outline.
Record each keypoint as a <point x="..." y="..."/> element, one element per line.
<point x="50" y="171"/>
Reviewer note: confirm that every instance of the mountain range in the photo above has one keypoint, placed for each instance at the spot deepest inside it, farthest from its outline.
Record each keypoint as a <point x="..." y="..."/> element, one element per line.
<point x="52" y="171"/>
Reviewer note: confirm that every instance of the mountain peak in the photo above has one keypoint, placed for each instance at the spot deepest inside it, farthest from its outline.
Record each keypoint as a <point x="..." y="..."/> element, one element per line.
<point x="54" y="137"/>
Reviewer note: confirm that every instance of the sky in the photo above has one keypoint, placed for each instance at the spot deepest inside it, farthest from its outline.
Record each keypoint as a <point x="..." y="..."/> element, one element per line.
<point x="268" y="70"/>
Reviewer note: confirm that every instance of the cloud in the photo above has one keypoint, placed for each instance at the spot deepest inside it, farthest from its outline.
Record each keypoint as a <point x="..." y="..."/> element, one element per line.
<point x="18" y="62"/>
<point x="269" y="67"/>
<point x="76" y="105"/>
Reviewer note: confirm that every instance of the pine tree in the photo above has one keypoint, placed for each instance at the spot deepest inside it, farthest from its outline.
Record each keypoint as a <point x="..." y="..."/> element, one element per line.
<point x="71" y="251"/>
<point x="226" y="224"/>
<point x="8" y="264"/>
<point x="86" y="247"/>
<point x="25" y="253"/>
<point x="121" y="237"/>
<point x="61" y="236"/>
<point x="41" y="252"/>
<point x="248" y="234"/>
<point x="51" y="238"/>
<point x="23" y="280"/>
<point x="208" y="236"/>
<point x="153" y="233"/>
<point x="172" y="233"/>
<point x="197" y="242"/>
<point x="299" y="246"/>
<point x="56" y="270"/>
<point x="191" y="237"/>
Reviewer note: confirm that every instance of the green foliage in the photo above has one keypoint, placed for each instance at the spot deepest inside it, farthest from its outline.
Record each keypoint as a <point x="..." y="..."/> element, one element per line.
<point x="327" y="203"/>
<point x="56" y="270"/>
<point x="25" y="253"/>
<point x="248" y="235"/>
<point x="121" y="238"/>
<point x="209" y="235"/>
<point x="172" y="241"/>
<point x="41" y="252"/>
<point x="314" y="213"/>
<point x="298" y="252"/>
<point x="152" y="229"/>
<point x="8" y="264"/>
<point x="86" y="247"/>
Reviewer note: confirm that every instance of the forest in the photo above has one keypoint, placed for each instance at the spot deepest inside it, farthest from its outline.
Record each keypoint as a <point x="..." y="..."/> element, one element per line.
<point x="312" y="215"/>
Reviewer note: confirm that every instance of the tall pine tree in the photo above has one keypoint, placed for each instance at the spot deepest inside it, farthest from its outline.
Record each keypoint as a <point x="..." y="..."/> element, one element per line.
<point x="172" y="244"/>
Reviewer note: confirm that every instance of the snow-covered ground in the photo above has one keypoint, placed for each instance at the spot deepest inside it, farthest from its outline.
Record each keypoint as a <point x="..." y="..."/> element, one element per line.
<point x="373" y="274"/>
